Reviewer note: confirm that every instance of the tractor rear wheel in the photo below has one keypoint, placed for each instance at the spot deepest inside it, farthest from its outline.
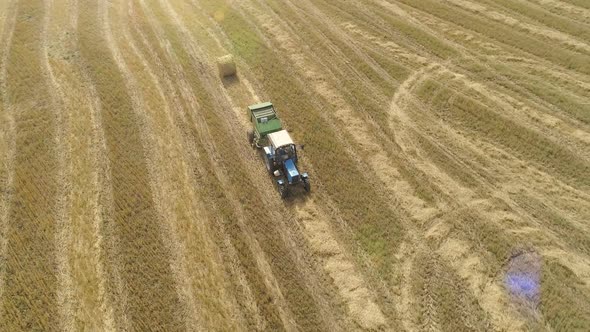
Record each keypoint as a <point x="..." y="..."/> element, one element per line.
<point x="267" y="163"/>
<point x="283" y="191"/>
<point x="306" y="185"/>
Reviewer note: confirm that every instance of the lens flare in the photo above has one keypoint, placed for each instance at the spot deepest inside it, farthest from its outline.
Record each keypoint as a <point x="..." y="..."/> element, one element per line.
<point x="523" y="278"/>
<point x="522" y="284"/>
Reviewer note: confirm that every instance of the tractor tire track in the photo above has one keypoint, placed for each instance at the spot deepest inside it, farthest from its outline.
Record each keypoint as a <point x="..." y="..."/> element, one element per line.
<point x="112" y="290"/>
<point x="30" y="258"/>
<point x="83" y="292"/>
<point x="163" y="196"/>
<point x="7" y="142"/>
<point x="201" y="288"/>
<point x="138" y="246"/>
<point x="535" y="29"/>
<point x="403" y="91"/>
<point x="489" y="298"/>
<point x="335" y="265"/>
<point x="315" y="226"/>
<point x="283" y="40"/>
<point x="63" y="235"/>
<point x="150" y="180"/>
<point x="196" y="51"/>
<point x="247" y="96"/>
<point x="566" y="9"/>
<point x="494" y="42"/>
<point x="229" y="254"/>
<point x="263" y="273"/>
<point x="112" y="294"/>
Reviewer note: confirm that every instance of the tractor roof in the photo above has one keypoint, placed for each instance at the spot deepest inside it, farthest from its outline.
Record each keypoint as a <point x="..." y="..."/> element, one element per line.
<point x="280" y="138"/>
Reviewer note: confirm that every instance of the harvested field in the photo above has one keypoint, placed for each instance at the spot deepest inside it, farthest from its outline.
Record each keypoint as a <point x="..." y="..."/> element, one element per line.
<point x="447" y="142"/>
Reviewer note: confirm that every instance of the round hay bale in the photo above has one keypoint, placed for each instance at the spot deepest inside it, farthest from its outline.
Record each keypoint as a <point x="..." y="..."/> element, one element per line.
<point x="227" y="66"/>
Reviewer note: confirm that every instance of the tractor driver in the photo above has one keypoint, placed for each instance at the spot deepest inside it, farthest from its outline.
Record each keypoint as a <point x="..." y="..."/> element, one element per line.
<point x="283" y="154"/>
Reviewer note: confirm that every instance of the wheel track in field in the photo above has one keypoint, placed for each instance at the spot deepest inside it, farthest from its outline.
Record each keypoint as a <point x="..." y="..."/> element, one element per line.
<point x="401" y="91"/>
<point x="182" y="122"/>
<point x="137" y="248"/>
<point x="442" y="291"/>
<point x="490" y="297"/>
<point x="528" y="116"/>
<point x="537" y="29"/>
<point x="224" y="97"/>
<point x="452" y="189"/>
<point x="329" y="93"/>
<point x="30" y="252"/>
<point x="102" y="197"/>
<point x="407" y="304"/>
<point x="82" y="295"/>
<point x="510" y="108"/>
<point x="262" y="263"/>
<point x="306" y="204"/>
<point x="7" y="140"/>
<point x="566" y="9"/>
<point x="439" y="70"/>
<point x="442" y="29"/>
<point x="200" y="287"/>
<point x="163" y="195"/>
<point x="304" y="210"/>
<point x="397" y="113"/>
<point x="63" y="236"/>
<point x="111" y="306"/>
<point x="317" y="231"/>
<point x="546" y="178"/>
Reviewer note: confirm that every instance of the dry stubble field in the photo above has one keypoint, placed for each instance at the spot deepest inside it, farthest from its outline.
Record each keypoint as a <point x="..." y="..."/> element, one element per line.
<point x="448" y="144"/>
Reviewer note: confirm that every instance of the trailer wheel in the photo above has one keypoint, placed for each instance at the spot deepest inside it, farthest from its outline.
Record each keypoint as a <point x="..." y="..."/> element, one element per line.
<point x="251" y="137"/>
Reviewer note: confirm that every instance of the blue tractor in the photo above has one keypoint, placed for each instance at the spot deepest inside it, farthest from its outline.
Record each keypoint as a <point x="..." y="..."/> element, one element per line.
<point x="278" y="150"/>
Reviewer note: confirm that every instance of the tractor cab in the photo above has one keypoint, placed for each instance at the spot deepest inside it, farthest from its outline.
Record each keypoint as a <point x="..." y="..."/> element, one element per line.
<point x="282" y="146"/>
<point x="281" y="160"/>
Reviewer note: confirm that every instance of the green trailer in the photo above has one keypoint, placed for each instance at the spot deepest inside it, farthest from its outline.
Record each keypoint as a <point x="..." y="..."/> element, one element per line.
<point x="265" y="121"/>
